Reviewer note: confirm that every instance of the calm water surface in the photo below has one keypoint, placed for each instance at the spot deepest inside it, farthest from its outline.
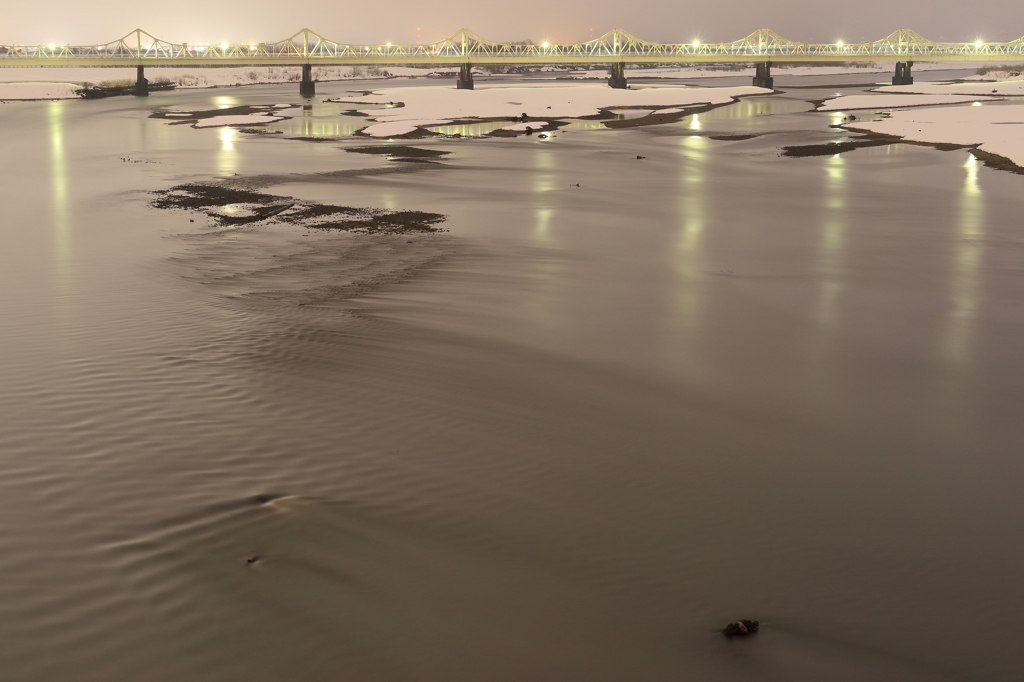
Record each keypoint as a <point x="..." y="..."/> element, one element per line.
<point x="569" y="439"/>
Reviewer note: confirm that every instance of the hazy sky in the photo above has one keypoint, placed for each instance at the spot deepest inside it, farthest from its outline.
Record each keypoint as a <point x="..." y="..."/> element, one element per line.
<point x="201" y="21"/>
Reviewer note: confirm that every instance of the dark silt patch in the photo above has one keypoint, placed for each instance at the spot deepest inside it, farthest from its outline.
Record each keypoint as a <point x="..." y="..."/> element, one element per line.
<point x="871" y="139"/>
<point x="831" y="148"/>
<point x="399" y="151"/>
<point x="996" y="161"/>
<point x="230" y="206"/>
<point x="193" y="116"/>
<point x="732" y="137"/>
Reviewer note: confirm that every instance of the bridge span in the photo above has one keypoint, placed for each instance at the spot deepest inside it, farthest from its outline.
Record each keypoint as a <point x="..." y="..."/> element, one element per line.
<point x="465" y="48"/>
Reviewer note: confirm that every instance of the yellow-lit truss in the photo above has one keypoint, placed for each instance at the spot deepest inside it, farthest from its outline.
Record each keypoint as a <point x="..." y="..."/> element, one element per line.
<point x="307" y="47"/>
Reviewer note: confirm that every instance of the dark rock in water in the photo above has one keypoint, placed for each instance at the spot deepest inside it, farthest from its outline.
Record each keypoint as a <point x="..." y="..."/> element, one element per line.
<point x="252" y="560"/>
<point x="741" y="628"/>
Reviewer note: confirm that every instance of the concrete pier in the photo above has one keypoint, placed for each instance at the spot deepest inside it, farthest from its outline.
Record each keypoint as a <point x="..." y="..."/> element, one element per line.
<point x="465" y="81"/>
<point x="141" y="84"/>
<point x="307" y="86"/>
<point x="763" y="75"/>
<point x="617" y="79"/>
<point x="903" y="76"/>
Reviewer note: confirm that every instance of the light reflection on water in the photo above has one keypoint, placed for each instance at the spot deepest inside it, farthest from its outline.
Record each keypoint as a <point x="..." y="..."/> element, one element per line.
<point x="227" y="158"/>
<point x="59" y="195"/>
<point x="967" y="260"/>
<point x="831" y="239"/>
<point x="470" y="129"/>
<point x="690" y="261"/>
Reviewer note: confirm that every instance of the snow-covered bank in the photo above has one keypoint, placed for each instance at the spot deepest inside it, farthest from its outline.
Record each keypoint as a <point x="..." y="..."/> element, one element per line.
<point x="847" y="102"/>
<point x="26" y="91"/>
<point x="210" y="77"/>
<point x="1011" y="87"/>
<point x="441" y="105"/>
<point x="1003" y="72"/>
<point x="718" y="71"/>
<point x="997" y="129"/>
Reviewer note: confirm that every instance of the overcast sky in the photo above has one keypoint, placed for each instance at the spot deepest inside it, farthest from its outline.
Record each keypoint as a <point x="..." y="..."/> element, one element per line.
<point x="78" y="22"/>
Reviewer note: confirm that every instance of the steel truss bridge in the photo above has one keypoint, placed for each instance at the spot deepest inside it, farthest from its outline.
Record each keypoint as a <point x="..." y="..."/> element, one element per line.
<point x="616" y="46"/>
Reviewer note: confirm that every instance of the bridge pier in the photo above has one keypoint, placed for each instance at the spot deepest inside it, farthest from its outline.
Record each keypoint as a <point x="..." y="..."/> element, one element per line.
<point x="307" y="86"/>
<point x="617" y="79"/>
<point x="141" y="84"/>
<point x="763" y="75"/>
<point x="465" y="81"/>
<point x="903" y="76"/>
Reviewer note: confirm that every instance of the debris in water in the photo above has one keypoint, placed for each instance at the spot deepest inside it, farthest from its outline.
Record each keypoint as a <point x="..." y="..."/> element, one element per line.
<point x="741" y="628"/>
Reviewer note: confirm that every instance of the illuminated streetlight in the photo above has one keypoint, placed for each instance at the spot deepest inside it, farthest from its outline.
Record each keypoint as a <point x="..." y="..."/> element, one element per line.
<point x="839" y="43"/>
<point x="978" y="43"/>
<point x="545" y="44"/>
<point x="696" y="43"/>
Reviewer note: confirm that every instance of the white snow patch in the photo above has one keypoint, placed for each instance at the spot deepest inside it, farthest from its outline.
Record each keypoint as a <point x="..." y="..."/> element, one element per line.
<point x="998" y="129"/>
<point x="895" y="101"/>
<point x="244" y="119"/>
<point x="439" y="105"/>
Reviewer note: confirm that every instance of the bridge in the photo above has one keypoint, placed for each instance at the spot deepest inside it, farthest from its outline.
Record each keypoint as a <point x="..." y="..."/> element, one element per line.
<point x="465" y="48"/>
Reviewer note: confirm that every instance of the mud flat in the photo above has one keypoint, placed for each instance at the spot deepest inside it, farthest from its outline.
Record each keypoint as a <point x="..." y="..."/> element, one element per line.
<point x="229" y="206"/>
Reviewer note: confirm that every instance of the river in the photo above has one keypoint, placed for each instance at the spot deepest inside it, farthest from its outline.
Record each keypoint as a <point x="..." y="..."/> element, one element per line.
<point x="618" y="404"/>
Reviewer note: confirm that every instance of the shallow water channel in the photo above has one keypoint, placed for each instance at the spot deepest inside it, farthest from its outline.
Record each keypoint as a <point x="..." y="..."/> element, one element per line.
<point x="620" y="403"/>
